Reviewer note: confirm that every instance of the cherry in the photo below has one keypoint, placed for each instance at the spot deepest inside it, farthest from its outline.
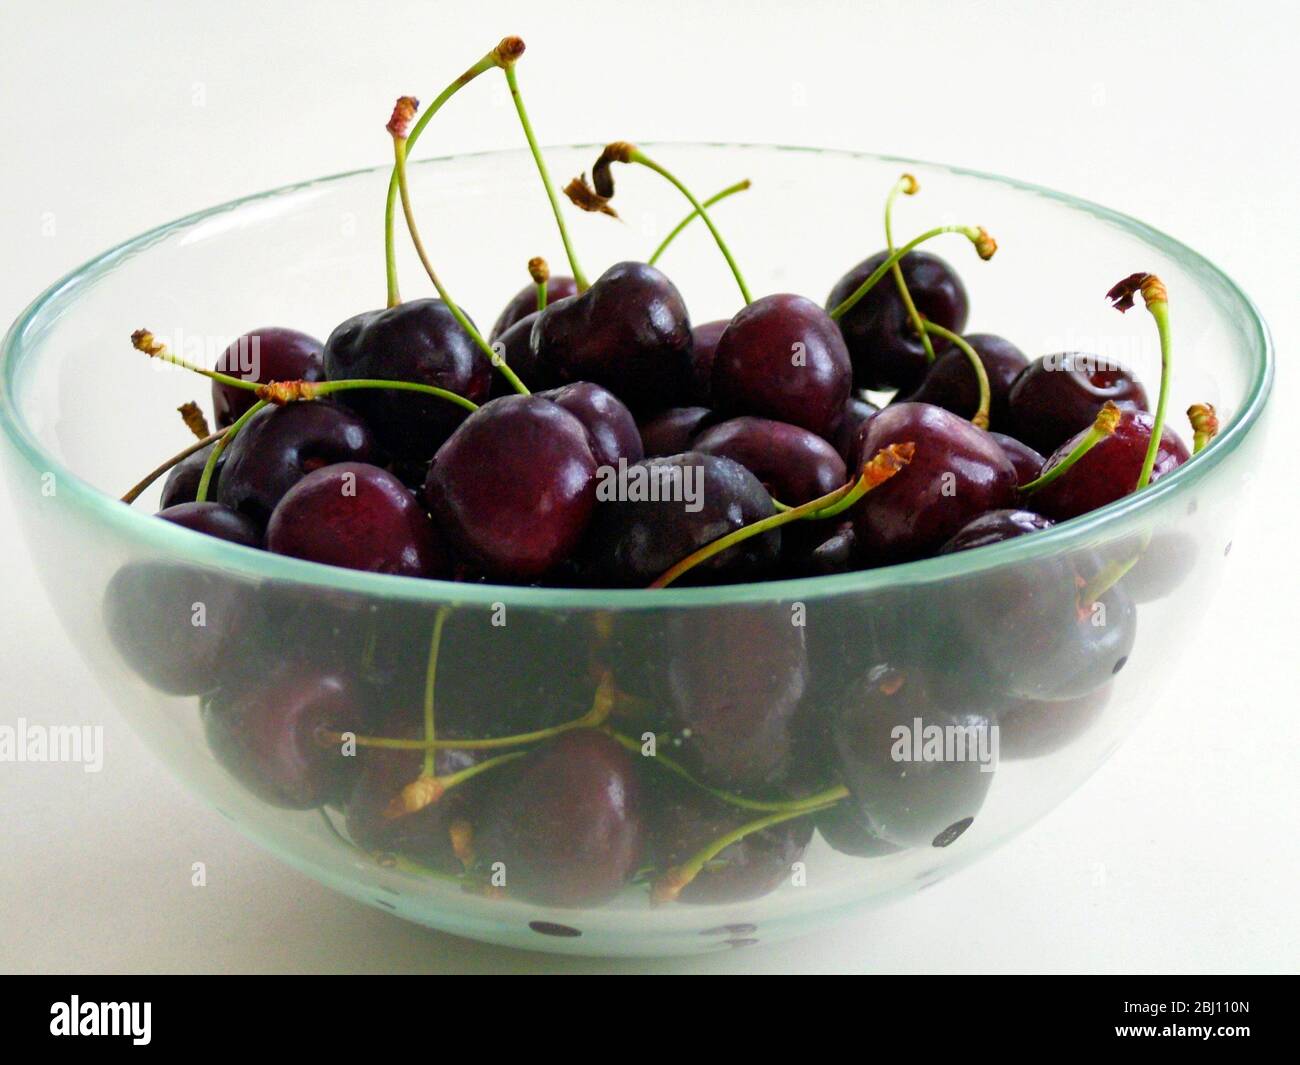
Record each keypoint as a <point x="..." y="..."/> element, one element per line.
<point x="1032" y="728"/>
<point x="836" y="553"/>
<point x="1161" y="565"/>
<point x="418" y="341"/>
<point x="264" y="355"/>
<point x="515" y="348"/>
<point x="281" y="444"/>
<point x="950" y="381"/>
<point x="358" y="516"/>
<point x="673" y="506"/>
<point x="524" y="303"/>
<point x="564" y="822"/>
<point x="683" y="820"/>
<point x="844" y="830"/>
<point x="629" y="332"/>
<point x="267" y="735"/>
<point x="704" y="346"/>
<point x="902" y="791"/>
<point x="670" y="432"/>
<point x="1110" y="470"/>
<point x="782" y="357"/>
<point x="887" y="352"/>
<point x="611" y="429"/>
<point x="793" y="464"/>
<point x="995" y="526"/>
<point x="214" y="520"/>
<point x="1056" y="396"/>
<point x="514" y="487"/>
<point x="182" y="484"/>
<point x="957" y="473"/>
<point x="845" y="433"/>
<point x="1027" y="462"/>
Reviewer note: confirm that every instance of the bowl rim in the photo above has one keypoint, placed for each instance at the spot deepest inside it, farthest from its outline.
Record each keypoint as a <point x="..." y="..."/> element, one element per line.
<point x="256" y="563"/>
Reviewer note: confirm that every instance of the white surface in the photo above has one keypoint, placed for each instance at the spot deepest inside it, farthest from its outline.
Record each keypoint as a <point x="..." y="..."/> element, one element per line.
<point x="1180" y="854"/>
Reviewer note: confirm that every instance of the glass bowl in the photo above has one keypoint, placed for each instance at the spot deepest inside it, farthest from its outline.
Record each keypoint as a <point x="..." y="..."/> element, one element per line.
<point x="84" y="417"/>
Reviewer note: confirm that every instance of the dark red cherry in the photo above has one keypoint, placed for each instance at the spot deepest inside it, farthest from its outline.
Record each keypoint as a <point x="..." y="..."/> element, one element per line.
<point x="418" y="341"/>
<point x="357" y="516"/>
<point x="564" y="823"/>
<point x="524" y="303"/>
<point x="514" y="487"/>
<point x="845" y="831"/>
<point x="704" y="346"/>
<point x="782" y="357"/>
<point x="1110" y="470"/>
<point x="515" y="348"/>
<point x="683" y="820"/>
<point x="182" y="483"/>
<point x="1033" y="728"/>
<point x="957" y="473"/>
<point x="268" y="736"/>
<point x="1163" y="563"/>
<point x="836" y="553"/>
<point x="629" y="332"/>
<point x="1059" y="395"/>
<point x="264" y="355"/>
<point x="670" y="432"/>
<point x="610" y="426"/>
<point x="278" y="446"/>
<point x="214" y="520"/>
<point x="994" y="527"/>
<point x="950" y="381"/>
<point x="886" y="351"/>
<point x="845" y="434"/>
<point x="1027" y="461"/>
<point x="793" y="464"/>
<point x="917" y="757"/>
<point x="667" y="508"/>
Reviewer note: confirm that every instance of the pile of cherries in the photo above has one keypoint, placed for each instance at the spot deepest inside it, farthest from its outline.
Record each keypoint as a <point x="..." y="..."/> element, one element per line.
<point x="559" y="758"/>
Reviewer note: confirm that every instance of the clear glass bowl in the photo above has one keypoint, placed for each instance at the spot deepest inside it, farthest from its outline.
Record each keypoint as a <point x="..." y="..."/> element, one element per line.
<point x="84" y="417"/>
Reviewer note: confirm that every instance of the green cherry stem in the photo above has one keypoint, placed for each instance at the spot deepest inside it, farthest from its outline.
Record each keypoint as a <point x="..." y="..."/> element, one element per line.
<point x="1104" y="426"/>
<point x="1205" y="425"/>
<point x="390" y="207"/>
<point x="717" y="197"/>
<point x="430" y="685"/>
<point x="210" y="467"/>
<point x="980" y="419"/>
<point x="133" y="493"/>
<point x="882" y="466"/>
<point x="1156" y="298"/>
<point x="985" y="245"/>
<point x="508" y="65"/>
<point x="907" y="185"/>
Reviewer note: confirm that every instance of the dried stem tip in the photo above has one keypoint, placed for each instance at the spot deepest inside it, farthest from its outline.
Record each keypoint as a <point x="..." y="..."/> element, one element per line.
<point x="886" y="462"/>
<point x="403" y="112"/>
<point x="669" y="886"/>
<point x="985" y="245"/>
<point x="421" y="792"/>
<point x="909" y="185"/>
<point x="509" y="50"/>
<point x="538" y="270"/>
<point x="1107" y="420"/>
<point x="143" y="340"/>
<point x="194" y="420"/>
<point x="1151" y="287"/>
<point x="281" y="392"/>
<point x="585" y="198"/>
<point x="615" y="152"/>
<point x="1205" y="423"/>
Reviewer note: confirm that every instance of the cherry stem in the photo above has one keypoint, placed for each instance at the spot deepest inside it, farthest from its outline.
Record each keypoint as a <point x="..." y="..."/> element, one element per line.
<point x="192" y="415"/>
<point x="540" y="272"/>
<point x="210" y="467"/>
<point x="882" y="466"/>
<point x="403" y="188"/>
<point x="427" y="789"/>
<point x="730" y="190"/>
<point x="509" y="67"/>
<point x="985" y="245"/>
<point x="669" y="886"/>
<point x="1104" y="426"/>
<point x="1205" y="424"/>
<point x="430" y="683"/>
<point x="907" y="185"/>
<point x="1156" y="298"/>
<point x="144" y="341"/>
<point x="981" y="417"/>
<point x="390" y="207"/>
<point x="134" y="492"/>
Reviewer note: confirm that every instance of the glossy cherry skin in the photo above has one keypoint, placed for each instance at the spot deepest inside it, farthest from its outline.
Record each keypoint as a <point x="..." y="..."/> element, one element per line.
<point x="836" y="553"/>
<point x="264" y="355"/>
<point x="885" y="349"/>
<point x="565" y="821"/>
<point x="794" y="465"/>
<point x="957" y="473"/>
<point x="514" y="487"/>
<point x="515" y="348"/>
<point x="910" y="801"/>
<point x="524" y="303"/>
<point x="683" y="820"/>
<point x="670" y="432"/>
<point x="418" y="341"/>
<point x="1110" y="470"/>
<point x="278" y="446"/>
<point x="950" y="381"/>
<point x="782" y="357"/>
<point x="1059" y="395"/>
<point x="357" y="516"/>
<point x="845" y="434"/>
<point x="214" y="520"/>
<point x="182" y="483"/>
<point x="995" y="526"/>
<point x="268" y="737"/>
<point x="704" y="346"/>
<point x="1027" y="461"/>
<point x="636" y="538"/>
<point x="845" y="831"/>
<point x="611" y="429"/>
<point x="630" y="332"/>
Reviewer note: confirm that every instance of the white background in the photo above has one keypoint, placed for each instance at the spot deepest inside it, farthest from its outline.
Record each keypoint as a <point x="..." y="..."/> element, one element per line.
<point x="1179" y="855"/>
